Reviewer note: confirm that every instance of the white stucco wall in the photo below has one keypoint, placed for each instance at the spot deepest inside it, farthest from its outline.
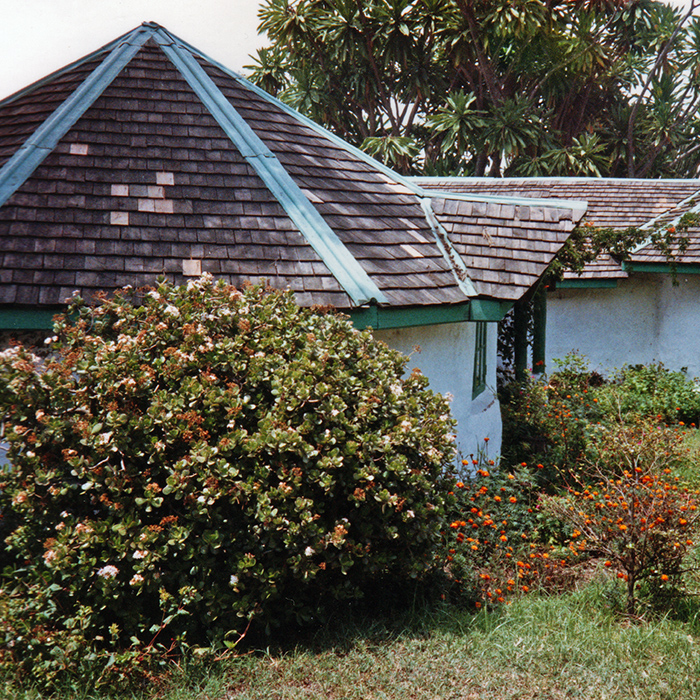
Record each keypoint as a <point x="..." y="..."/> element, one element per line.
<point x="446" y="357"/>
<point x="644" y="319"/>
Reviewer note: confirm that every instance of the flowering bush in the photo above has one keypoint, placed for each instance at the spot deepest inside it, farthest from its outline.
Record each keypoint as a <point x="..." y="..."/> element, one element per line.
<point x="190" y="459"/>
<point x="494" y="548"/>
<point x="630" y="511"/>
<point x="552" y="420"/>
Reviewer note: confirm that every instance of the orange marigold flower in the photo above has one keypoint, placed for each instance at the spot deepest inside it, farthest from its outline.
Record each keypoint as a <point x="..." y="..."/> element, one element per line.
<point x="513" y="499"/>
<point x="525" y="589"/>
<point x="664" y="577"/>
<point x="511" y="476"/>
<point x="608" y="563"/>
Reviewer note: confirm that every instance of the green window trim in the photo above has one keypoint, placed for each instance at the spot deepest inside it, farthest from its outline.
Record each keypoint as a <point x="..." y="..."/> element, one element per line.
<point x="480" y="355"/>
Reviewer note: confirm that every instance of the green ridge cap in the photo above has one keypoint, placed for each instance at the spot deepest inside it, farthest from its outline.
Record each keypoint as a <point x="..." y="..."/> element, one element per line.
<point x="38" y="146"/>
<point x="344" y="267"/>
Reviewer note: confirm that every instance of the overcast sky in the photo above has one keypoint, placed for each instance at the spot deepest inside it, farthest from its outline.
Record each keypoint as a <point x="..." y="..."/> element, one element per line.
<point x="40" y="36"/>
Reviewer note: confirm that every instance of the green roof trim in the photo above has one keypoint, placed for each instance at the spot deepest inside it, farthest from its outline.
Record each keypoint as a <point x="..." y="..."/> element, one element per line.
<point x="664" y="268"/>
<point x="28" y="319"/>
<point x="344" y="267"/>
<point x="379" y="318"/>
<point x="588" y="283"/>
<point x="33" y="151"/>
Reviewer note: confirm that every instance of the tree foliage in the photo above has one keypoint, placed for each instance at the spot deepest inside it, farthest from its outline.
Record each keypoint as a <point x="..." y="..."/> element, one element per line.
<point x="499" y="87"/>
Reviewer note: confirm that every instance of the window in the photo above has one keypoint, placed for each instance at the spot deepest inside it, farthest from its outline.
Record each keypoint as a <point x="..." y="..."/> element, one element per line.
<point x="479" y="381"/>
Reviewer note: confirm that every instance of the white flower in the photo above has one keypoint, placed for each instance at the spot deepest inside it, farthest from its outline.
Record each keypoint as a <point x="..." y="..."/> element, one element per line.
<point x="309" y="552"/>
<point x="172" y="310"/>
<point x="140" y="553"/>
<point x="233" y="580"/>
<point x="136" y="580"/>
<point x="406" y="425"/>
<point x="154" y="295"/>
<point x="108" y="571"/>
<point x="410" y="514"/>
<point x="448" y="397"/>
<point x="49" y="556"/>
<point x="396" y="389"/>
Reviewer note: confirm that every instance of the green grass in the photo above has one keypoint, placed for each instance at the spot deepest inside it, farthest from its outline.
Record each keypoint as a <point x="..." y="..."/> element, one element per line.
<point x="570" y="646"/>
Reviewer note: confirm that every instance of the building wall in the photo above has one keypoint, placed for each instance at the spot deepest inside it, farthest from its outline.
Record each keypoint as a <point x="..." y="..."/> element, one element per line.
<point x="644" y="319"/>
<point x="446" y="357"/>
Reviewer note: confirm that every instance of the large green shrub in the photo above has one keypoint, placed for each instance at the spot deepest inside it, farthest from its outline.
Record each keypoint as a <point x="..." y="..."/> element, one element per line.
<point x="192" y="458"/>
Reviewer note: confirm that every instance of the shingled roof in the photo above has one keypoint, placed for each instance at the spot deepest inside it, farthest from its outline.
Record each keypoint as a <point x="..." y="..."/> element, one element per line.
<point x="611" y="202"/>
<point x="147" y="158"/>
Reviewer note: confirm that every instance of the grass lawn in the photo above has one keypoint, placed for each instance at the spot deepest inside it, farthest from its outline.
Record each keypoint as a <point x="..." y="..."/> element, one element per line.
<point x="570" y="646"/>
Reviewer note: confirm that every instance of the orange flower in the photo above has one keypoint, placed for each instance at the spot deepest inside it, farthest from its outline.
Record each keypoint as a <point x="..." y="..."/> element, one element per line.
<point x="608" y="563"/>
<point x="513" y="499"/>
<point x="664" y="577"/>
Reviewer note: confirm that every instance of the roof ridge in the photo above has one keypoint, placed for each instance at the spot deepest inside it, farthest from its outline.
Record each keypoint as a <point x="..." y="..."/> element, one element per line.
<point x="573" y="204"/>
<point x="660" y="220"/>
<point x="47" y="135"/>
<point x="342" y="264"/>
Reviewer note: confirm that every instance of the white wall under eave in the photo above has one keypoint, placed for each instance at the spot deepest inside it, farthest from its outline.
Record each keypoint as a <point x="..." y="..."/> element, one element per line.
<point x="644" y="319"/>
<point x="446" y="358"/>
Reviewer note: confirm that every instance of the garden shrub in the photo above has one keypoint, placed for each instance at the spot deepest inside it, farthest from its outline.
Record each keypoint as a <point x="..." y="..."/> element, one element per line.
<point x="630" y="511"/>
<point x="189" y="459"/>
<point x="494" y="545"/>
<point x="550" y="420"/>
<point x="653" y="391"/>
<point x="546" y="420"/>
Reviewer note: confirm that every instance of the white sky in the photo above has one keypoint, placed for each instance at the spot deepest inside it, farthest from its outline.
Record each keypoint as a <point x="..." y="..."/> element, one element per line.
<point x="38" y="37"/>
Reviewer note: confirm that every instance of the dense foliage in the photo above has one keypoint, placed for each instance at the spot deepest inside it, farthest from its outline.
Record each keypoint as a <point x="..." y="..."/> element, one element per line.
<point x="595" y="472"/>
<point x="190" y="459"/>
<point x="529" y="87"/>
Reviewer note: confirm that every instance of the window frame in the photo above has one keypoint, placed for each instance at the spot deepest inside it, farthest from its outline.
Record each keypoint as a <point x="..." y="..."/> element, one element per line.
<point x="480" y="358"/>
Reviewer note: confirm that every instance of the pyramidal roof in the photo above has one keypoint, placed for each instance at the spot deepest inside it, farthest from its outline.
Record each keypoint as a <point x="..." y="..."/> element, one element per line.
<point x="146" y="158"/>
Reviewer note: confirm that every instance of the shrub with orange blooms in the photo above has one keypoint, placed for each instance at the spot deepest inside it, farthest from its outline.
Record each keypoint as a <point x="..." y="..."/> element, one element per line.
<point x="552" y="420"/>
<point x="639" y="518"/>
<point x="492" y="552"/>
